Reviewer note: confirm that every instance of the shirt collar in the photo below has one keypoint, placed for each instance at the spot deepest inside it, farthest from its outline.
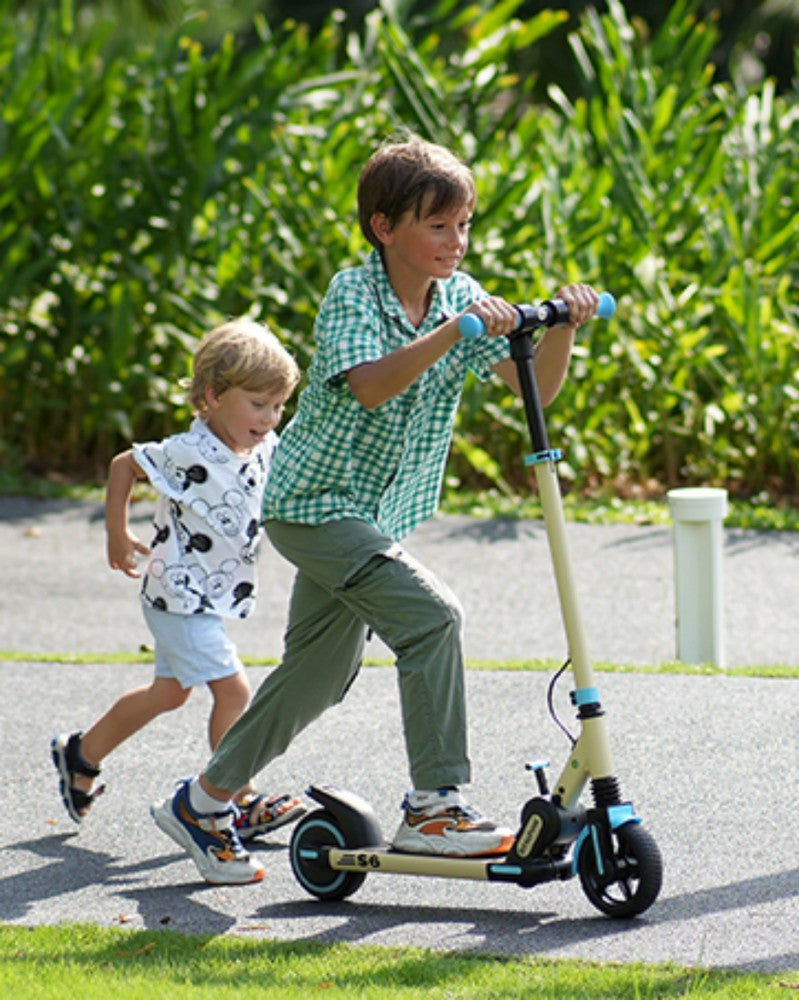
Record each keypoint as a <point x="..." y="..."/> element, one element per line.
<point x="439" y="309"/>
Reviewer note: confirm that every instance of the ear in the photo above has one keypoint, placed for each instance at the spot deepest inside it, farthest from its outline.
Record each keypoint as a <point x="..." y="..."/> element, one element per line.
<point x="382" y="228"/>
<point x="211" y="398"/>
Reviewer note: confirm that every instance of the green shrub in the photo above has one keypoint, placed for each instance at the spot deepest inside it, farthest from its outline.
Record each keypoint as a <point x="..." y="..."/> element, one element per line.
<point x="148" y="192"/>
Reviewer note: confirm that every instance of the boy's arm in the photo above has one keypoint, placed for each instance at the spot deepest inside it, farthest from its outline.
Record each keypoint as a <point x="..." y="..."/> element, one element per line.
<point x="375" y="382"/>
<point x="122" y="544"/>
<point x="551" y="362"/>
<point x="553" y="351"/>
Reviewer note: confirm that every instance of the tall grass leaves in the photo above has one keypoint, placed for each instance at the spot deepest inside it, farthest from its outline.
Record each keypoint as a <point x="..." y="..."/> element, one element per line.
<point x="149" y="190"/>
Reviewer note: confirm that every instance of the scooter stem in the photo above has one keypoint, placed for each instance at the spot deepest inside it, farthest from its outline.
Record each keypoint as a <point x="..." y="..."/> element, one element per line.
<point x="591" y="756"/>
<point x="549" y="491"/>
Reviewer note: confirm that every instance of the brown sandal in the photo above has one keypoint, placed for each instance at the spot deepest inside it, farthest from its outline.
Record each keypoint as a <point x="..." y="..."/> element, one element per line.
<point x="259" y="814"/>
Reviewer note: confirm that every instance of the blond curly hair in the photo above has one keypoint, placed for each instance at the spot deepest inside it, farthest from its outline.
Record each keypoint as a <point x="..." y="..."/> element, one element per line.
<point x="241" y="353"/>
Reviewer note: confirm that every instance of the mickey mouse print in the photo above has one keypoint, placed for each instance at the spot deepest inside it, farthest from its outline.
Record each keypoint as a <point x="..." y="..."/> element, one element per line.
<point x="206" y="522"/>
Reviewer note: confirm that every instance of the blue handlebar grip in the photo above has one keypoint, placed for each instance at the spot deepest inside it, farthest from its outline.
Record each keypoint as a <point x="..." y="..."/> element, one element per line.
<point x="471" y="326"/>
<point x="606" y="307"/>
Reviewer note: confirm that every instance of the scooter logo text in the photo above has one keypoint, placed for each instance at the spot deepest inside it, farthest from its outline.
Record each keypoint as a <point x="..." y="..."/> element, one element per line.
<point x="359" y="860"/>
<point x="526" y="842"/>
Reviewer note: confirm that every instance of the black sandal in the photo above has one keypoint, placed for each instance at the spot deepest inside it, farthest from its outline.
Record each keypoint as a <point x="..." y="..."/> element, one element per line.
<point x="69" y="761"/>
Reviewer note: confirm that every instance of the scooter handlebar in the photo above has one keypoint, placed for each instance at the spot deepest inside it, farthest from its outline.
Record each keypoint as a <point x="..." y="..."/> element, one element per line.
<point x="606" y="307"/>
<point x="549" y="313"/>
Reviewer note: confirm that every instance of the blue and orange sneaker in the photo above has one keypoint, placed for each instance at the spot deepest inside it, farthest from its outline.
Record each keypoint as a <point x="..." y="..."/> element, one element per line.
<point x="210" y="838"/>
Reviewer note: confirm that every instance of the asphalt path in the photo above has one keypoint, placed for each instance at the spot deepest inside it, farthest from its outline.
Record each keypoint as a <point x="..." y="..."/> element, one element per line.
<point x="710" y="762"/>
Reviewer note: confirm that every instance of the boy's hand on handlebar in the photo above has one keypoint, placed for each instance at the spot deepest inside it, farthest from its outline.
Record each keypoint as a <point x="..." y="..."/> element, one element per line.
<point x="499" y="317"/>
<point x="582" y="301"/>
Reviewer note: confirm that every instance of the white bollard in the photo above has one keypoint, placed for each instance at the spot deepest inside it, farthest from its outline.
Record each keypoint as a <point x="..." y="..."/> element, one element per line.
<point x="698" y="513"/>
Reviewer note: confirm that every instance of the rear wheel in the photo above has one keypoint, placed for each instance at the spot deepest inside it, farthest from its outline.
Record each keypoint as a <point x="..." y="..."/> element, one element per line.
<point x="627" y="883"/>
<point x="312" y="836"/>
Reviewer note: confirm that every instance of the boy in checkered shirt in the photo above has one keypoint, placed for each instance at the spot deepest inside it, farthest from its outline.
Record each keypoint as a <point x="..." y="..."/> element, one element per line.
<point x="360" y="465"/>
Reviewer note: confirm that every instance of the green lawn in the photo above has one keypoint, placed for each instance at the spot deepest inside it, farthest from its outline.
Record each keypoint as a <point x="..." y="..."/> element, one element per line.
<point x="92" y="963"/>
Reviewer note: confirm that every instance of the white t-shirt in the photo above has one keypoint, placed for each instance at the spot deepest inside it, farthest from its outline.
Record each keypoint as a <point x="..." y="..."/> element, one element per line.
<point x="206" y="522"/>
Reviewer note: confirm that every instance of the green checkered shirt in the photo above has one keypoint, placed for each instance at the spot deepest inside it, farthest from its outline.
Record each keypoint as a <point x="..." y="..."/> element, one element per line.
<point x="336" y="458"/>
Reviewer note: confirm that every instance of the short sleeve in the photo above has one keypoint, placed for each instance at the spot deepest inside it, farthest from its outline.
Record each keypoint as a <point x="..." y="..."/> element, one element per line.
<point x="169" y="466"/>
<point x="348" y="327"/>
<point x="487" y="352"/>
<point x="180" y="465"/>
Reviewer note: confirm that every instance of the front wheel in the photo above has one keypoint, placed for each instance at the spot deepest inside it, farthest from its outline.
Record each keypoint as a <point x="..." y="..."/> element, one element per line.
<point x="312" y="835"/>
<point x="628" y="882"/>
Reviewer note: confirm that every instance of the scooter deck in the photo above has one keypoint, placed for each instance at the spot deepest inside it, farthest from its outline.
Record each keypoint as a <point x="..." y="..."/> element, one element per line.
<point x="370" y="853"/>
<point x="487" y="868"/>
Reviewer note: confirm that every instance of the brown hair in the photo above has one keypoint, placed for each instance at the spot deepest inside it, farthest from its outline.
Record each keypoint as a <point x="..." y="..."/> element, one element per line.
<point x="400" y="175"/>
<point x="245" y="354"/>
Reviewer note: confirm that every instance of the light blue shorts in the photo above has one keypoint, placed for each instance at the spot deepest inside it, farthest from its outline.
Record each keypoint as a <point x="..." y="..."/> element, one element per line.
<point x="192" y="649"/>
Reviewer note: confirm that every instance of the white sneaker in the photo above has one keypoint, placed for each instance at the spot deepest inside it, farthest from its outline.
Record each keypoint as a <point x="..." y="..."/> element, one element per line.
<point x="210" y="839"/>
<point x="442" y="823"/>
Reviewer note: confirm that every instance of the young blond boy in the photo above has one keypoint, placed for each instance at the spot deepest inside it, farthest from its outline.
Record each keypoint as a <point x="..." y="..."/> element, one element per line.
<point x="200" y="566"/>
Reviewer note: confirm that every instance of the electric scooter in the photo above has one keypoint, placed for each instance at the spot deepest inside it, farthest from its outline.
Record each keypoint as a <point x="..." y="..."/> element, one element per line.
<point x="333" y="848"/>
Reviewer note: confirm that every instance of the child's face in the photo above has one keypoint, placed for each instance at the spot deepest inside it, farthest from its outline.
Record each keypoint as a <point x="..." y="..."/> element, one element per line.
<point x="241" y="418"/>
<point x="432" y="245"/>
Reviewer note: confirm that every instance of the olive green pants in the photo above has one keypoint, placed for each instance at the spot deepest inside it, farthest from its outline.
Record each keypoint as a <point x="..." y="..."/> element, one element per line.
<point x="350" y="578"/>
